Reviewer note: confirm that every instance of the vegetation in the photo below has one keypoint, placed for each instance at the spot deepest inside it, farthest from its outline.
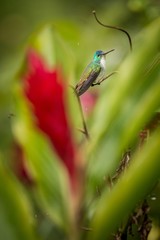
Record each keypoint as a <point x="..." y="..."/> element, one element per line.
<point x="56" y="182"/>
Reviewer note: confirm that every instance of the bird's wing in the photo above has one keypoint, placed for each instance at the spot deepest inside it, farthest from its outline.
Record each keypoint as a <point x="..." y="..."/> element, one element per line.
<point x="89" y="75"/>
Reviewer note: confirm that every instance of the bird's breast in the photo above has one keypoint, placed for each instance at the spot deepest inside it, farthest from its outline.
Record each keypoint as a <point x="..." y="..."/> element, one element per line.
<point x="103" y="63"/>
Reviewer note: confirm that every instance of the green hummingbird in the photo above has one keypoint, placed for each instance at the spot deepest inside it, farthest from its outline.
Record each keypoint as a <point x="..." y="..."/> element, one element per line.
<point x="94" y="73"/>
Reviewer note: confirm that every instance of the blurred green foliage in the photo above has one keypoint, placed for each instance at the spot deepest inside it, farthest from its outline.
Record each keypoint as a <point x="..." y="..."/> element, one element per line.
<point x="66" y="33"/>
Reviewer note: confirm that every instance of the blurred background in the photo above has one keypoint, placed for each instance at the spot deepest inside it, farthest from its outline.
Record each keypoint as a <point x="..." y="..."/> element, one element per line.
<point x="76" y="28"/>
<point x="66" y="33"/>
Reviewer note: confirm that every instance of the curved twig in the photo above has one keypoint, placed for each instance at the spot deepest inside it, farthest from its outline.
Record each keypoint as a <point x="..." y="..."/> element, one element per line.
<point x="114" y="27"/>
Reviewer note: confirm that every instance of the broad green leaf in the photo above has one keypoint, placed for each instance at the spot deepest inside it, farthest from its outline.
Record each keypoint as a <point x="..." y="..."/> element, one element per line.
<point x="16" y="220"/>
<point x="133" y="186"/>
<point x="44" y="43"/>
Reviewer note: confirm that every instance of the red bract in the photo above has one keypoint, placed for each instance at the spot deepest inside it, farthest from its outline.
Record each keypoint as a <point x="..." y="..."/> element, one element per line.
<point x="88" y="101"/>
<point x="46" y="89"/>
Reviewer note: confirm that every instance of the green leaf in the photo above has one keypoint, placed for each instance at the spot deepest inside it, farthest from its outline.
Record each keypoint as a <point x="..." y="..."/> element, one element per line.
<point x="16" y="220"/>
<point x="135" y="183"/>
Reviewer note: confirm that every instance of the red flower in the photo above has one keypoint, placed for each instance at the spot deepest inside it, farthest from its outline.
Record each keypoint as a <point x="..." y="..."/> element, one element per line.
<point x="88" y="101"/>
<point x="46" y="89"/>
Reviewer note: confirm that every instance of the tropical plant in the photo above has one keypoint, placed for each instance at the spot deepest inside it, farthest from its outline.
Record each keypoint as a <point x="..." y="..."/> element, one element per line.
<point x="58" y="181"/>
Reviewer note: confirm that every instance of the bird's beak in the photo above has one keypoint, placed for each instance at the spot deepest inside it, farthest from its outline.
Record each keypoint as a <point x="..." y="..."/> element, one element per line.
<point x="105" y="53"/>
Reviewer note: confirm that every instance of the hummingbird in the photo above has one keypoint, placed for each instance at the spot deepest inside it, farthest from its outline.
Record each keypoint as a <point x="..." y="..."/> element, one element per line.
<point x="94" y="73"/>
